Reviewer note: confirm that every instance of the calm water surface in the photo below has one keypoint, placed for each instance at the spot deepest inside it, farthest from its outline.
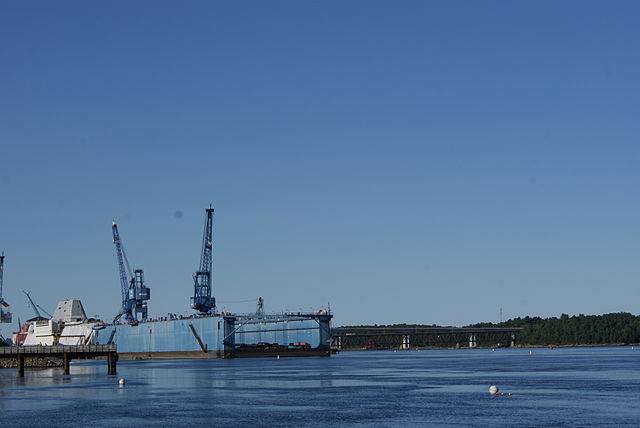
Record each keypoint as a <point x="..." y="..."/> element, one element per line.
<point x="560" y="387"/>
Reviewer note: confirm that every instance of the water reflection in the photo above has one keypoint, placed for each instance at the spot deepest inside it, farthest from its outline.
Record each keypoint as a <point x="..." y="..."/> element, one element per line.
<point x="434" y="387"/>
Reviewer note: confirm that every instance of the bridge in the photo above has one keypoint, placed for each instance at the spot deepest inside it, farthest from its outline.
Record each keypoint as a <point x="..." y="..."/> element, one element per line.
<point x="421" y="337"/>
<point x="62" y="352"/>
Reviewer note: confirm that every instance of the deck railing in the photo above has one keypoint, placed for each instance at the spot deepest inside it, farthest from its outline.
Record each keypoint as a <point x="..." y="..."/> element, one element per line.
<point x="56" y="349"/>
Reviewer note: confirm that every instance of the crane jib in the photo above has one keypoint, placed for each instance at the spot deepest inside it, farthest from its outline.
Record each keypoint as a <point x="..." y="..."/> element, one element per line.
<point x="134" y="292"/>
<point x="202" y="301"/>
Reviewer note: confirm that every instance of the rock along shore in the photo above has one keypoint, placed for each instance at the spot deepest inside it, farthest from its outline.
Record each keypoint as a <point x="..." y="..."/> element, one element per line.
<point x="30" y="362"/>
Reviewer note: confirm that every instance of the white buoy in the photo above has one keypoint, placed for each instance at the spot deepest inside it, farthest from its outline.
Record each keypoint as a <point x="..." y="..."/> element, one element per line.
<point x="493" y="390"/>
<point x="121" y="382"/>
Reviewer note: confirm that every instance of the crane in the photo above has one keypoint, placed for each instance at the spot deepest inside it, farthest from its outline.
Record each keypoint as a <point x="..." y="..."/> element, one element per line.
<point x="202" y="300"/>
<point x="35" y="306"/>
<point x="5" y="315"/>
<point x="134" y="292"/>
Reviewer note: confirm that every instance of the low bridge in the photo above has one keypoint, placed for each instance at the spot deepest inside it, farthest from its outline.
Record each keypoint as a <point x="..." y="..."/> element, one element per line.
<point x="419" y="337"/>
<point x="61" y="352"/>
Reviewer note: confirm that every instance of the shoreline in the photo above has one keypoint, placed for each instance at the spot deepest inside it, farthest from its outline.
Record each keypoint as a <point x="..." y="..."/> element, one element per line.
<point x="599" y="345"/>
<point x="31" y="363"/>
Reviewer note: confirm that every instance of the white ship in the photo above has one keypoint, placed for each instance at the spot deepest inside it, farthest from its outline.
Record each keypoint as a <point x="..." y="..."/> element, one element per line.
<point x="68" y="326"/>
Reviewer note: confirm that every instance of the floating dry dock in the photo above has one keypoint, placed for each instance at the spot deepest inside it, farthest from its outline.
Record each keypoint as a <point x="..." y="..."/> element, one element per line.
<point x="221" y="336"/>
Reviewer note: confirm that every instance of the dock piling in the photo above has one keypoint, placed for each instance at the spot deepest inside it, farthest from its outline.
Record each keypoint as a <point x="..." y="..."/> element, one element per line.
<point x="66" y="362"/>
<point x="64" y="352"/>
<point x="20" y="365"/>
<point x="112" y="359"/>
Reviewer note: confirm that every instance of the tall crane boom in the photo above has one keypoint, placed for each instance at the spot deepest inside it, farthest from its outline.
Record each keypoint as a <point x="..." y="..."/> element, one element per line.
<point x="134" y="292"/>
<point x="1" y="274"/>
<point x="5" y="315"/>
<point x="124" y="269"/>
<point x="202" y="300"/>
<point x="35" y="307"/>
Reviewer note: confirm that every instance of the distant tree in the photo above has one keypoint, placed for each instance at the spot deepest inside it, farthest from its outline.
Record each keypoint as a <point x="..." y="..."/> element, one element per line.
<point x="621" y="327"/>
<point x="575" y="330"/>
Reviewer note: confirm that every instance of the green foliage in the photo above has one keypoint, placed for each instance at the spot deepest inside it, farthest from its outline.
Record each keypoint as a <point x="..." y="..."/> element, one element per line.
<point x="582" y="329"/>
<point x="620" y="327"/>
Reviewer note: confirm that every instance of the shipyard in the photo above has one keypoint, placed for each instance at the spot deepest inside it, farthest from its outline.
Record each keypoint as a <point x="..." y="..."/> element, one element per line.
<point x="204" y="334"/>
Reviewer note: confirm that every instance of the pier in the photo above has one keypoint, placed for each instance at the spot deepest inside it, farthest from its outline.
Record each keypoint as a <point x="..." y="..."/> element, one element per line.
<point x="417" y="337"/>
<point x="66" y="353"/>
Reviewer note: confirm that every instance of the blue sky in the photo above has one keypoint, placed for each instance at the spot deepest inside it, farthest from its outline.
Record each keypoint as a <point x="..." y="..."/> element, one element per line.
<point x="422" y="162"/>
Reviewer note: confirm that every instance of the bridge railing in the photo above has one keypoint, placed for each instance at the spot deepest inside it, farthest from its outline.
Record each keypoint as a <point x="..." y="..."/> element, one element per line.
<point x="56" y="349"/>
<point x="353" y="331"/>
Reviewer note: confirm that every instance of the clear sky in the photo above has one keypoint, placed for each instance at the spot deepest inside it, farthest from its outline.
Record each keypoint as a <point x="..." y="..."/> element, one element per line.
<point x="421" y="162"/>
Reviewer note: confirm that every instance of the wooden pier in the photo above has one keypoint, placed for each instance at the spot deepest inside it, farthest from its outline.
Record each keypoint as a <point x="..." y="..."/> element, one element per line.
<point x="66" y="353"/>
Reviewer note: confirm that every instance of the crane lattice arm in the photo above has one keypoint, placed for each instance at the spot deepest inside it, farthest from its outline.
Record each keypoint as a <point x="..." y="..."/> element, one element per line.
<point x="124" y="269"/>
<point x="1" y="275"/>
<point x="134" y="293"/>
<point x="34" y="306"/>
<point x="202" y="300"/>
<point x="5" y="315"/>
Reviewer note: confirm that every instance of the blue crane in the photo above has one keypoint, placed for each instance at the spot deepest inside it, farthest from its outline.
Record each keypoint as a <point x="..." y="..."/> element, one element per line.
<point x="134" y="292"/>
<point x="35" y="307"/>
<point x="202" y="300"/>
<point x="5" y="315"/>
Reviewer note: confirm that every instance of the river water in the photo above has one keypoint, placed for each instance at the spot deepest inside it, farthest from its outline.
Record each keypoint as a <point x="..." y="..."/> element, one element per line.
<point x="559" y="387"/>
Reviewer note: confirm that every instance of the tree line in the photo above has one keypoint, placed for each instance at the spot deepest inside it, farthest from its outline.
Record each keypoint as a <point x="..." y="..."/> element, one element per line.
<point x="621" y="327"/>
<point x="616" y="328"/>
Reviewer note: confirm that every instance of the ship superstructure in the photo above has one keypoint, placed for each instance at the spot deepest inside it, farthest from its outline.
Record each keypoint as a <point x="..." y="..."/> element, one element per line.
<point x="68" y="326"/>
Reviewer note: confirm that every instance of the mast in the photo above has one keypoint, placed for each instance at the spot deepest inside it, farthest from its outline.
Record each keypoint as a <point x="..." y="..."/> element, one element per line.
<point x="5" y="315"/>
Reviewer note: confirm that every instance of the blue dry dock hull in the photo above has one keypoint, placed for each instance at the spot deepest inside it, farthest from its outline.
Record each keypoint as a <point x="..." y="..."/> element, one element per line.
<point x="220" y="336"/>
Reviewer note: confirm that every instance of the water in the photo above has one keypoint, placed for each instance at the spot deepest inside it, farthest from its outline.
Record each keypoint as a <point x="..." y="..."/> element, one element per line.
<point x="560" y="387"/>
